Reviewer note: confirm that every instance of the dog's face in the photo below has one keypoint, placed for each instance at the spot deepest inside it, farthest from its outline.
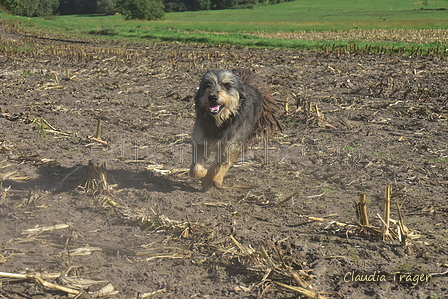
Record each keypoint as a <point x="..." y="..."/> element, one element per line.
<point x="219" y="95"/>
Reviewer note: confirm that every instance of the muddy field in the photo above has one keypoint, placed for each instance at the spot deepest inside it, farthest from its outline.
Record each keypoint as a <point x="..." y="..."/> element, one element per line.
<point x="286" y="215"/>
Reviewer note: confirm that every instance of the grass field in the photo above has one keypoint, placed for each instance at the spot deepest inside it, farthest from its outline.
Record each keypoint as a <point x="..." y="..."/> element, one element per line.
<point x="276" y="26"/>
<point x="318" y="15"/>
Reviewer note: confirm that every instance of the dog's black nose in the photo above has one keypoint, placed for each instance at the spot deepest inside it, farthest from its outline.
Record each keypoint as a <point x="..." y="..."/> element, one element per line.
<point x="213" y="98"/>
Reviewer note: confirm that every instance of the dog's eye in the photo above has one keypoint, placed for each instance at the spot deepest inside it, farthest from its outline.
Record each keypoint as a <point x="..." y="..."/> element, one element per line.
<point x="208" y="85"/>
<point x="227" y="86"/>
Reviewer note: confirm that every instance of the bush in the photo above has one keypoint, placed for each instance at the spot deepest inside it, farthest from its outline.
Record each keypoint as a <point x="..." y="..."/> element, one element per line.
<point x="186" y="5"/>
<point x="175" y="6"/>
<point x="200" y="4"/>
<point x="107" y="7"/>
<point x="141" y="9"/>
<point x="47" y="7"/>
<point x="223" y="4"/>
<point x="8" y="5"/>
<point x="30" y="8"/>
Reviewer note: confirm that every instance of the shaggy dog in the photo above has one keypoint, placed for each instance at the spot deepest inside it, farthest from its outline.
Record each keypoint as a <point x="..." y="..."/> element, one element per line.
<point x="232" y="108"/>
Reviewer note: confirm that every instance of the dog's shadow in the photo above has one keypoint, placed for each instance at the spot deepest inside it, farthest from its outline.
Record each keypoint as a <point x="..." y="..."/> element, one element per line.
<point x="60" y="179"/>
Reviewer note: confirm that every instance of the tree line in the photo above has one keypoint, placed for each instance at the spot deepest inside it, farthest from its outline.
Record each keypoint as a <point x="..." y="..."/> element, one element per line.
<point x="192" y="5"/>
<point x="130" y="9"/>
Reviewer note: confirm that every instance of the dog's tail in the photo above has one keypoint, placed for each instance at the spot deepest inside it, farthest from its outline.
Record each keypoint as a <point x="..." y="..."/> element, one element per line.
<point x="268" y="120"/>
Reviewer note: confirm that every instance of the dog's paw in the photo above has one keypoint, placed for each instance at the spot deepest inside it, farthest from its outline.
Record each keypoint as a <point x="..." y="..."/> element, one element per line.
<point x="209" y="182"/>
<point x="197" y="171"/>
<point x="206" y="187"/>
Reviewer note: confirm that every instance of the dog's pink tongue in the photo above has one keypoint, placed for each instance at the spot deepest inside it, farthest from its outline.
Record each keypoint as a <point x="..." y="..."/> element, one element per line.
<point x="215" y="108"/>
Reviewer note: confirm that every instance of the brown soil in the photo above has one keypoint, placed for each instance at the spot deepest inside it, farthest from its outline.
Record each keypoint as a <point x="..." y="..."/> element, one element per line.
<point x="382" y="121"/>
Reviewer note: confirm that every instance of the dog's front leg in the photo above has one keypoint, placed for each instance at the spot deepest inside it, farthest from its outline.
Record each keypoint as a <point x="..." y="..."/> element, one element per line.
<point x="216" y="173"/>
<point x="215" y="176"/>
<point x="197" y="169"/>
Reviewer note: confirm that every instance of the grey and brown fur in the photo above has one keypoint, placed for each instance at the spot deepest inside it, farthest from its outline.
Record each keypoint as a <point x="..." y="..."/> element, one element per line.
<point x="232" y="108"/>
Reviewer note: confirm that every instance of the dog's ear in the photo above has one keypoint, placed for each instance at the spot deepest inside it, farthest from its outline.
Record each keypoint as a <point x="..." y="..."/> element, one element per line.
<point x="200" y="90"/>
<point x="242" y="92"/>
<point x="237" y="73"/>
<point x="239" y="83"/>
<point x="197" y="97"/>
